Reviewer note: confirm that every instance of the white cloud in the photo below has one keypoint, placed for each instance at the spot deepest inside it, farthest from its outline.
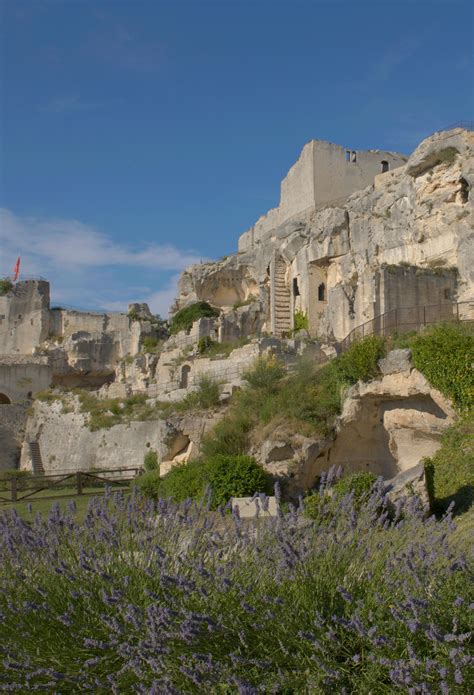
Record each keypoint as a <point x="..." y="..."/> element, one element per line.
<point x="59" y="241"/>
<point x="86" y="267"/>
<point x="159" y="301"/>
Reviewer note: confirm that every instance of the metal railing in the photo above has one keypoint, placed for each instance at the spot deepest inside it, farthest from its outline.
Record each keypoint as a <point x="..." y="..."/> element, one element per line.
<point x="467" y="125"/>
<point x="407" y="319"/>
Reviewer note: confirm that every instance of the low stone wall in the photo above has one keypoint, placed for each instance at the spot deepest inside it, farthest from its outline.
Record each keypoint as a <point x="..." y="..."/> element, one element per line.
<point x="12" y="431"/>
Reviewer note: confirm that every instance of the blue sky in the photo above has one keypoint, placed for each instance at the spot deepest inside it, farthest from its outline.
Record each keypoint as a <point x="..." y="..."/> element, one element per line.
<point x="138" y="137"/>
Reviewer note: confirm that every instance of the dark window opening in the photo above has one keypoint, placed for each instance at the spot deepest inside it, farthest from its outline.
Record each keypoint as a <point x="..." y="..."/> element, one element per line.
<point x="385" y="166"/>
<point x="268" y="270"/>
<point x="19" y="316"/>
<point x="447" y="293"/>
<point x="296" y="289"/>
<point x="464" y="195"/>
<point x="185" y="376"/>
<point x="322" y="292"/>
<point x="4" y="400"/>
<point x="348" y="155"/>
<point x="353" y="156"/>
<point x="30" y="394"/>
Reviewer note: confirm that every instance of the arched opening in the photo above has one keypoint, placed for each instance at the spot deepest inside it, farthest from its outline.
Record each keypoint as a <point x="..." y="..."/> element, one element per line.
<point x="185" y="376"/>
<point x="385" y="166"/>
<point x="322" y="292"/>
<point x="4" y="400"/>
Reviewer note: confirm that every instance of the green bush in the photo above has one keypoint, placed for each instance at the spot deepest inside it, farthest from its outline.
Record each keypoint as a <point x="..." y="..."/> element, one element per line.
<point x="360" y="360"/>
<point x="265" y="374"/>
<point x="450" y="472"/>
<point x="300" y="321"/>
<point x="150" y="460"/>
<point x="230" y="436"/>
<point x="204" y="344"/>
<point x="183" y="319"/>
<point x="151" y="345"/>
<point x="205" y="396"/>
<point x="445" y="356"/>
<point x="223" y="476"/>
<point x="360" y="484"/>
<point x="6" y="286"/>
<point x="235" y="476"/>
<point x="184" y="481"/>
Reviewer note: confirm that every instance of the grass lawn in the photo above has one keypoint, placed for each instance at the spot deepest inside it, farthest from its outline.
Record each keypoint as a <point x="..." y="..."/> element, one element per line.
<point x="43" y="501"/>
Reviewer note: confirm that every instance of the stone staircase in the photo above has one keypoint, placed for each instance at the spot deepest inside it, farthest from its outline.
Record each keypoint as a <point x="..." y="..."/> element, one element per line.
<point x="36" y="460"/>
<point x="282" y="300"/>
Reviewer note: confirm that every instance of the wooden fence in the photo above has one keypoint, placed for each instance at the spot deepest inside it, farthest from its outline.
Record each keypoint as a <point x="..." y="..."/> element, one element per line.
<point x="63" y="484"/>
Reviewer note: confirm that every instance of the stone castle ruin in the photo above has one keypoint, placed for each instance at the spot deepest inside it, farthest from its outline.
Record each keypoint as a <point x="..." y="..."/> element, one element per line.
<point x="360" y="242"/>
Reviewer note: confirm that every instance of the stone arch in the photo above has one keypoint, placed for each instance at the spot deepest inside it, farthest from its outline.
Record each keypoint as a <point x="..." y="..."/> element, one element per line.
<point x="4" y="399"/>
<point x="384" y="166"/>
<point x="317" y="296"/>
<point x="185" y="371"/>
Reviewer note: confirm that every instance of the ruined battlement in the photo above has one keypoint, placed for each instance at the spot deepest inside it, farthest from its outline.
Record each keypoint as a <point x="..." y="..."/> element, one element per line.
<point x="324" y="173"/>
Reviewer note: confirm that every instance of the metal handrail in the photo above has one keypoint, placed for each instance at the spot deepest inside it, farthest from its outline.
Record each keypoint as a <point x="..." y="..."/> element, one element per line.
<point x="380" y="327"/>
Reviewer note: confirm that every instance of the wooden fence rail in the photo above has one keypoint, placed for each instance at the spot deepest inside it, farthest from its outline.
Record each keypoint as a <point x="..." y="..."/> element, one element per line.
<point x="20" y="488"/>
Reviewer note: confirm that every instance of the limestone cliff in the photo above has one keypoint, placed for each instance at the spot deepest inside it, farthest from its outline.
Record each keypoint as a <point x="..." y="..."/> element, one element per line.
<point x="405" y="240"/>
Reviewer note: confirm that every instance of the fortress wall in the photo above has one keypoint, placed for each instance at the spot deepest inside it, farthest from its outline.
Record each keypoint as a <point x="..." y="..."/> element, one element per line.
<point x="335" y="177"/>
<point x="17" y="380"/>
<point x="24" y="317"/>
<point x="12" y="429"/>
<point x="297" y="188"/>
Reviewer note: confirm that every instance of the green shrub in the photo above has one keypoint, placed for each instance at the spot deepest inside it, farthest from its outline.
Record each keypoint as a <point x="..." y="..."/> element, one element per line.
<point x="235" y="476"/>
<point x="151" y="345"/>
<point x="205" y="396"/>
<point x="204" y="344"/>
<point x="150" y="460"/>
<point x="360" y="360"/>
<point x="450" y="472"/>
<point x="182" y="482"/>
<point x="6" y="286"/>
<point x="445" y="356"/>
<point x="230" y="436"/>
<point x="360" y="484"/>
<point x="300" y="321"/>
<point x="265" y="374"/>
<point x="183" y="319"/>
<point x="149" y="484"/>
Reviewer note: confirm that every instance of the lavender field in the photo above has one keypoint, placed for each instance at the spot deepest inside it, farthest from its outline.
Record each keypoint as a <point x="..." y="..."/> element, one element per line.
<point x="146" y="597"/>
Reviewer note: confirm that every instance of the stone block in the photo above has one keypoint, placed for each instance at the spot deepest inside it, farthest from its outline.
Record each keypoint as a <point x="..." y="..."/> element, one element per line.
<point x="251" y="507"/>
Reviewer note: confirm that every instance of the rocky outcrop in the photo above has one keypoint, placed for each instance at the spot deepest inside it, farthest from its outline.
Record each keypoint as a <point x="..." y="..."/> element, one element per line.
<point x="405" y="240"/>
<point x="387" y="426"/>
<point x="175" y="439"/>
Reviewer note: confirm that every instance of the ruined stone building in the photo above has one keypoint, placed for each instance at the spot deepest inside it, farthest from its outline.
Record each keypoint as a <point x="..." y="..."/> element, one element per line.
<point x="359" y="239"/>
<point x="357" y="235"/>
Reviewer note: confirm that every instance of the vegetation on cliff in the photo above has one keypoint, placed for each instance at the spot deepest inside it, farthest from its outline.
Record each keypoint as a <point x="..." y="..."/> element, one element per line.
<point x="184" y="318"/>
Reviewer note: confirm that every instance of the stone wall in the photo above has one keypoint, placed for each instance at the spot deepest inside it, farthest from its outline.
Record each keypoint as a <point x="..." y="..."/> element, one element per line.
<point x="21" y="376"/>
<point x="12" y="430"/>
<point x="24" y="317"/>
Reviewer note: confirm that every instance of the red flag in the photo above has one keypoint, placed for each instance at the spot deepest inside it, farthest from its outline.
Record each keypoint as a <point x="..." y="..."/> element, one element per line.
<point x="16" y="269"/>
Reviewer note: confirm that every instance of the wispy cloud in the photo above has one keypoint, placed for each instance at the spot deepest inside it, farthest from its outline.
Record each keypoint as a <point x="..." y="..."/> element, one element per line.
<point x="394" y="56"/>
<point x="124" y="48"/>
<point x="87" y="266"/>
<point x="73" y="103"/>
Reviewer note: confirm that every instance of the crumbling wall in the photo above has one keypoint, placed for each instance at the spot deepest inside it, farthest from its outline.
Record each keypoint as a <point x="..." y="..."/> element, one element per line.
<point x="24" y="317"/>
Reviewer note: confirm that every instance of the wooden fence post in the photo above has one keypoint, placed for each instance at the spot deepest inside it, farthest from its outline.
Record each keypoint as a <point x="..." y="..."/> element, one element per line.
<point x="79" y="483"/>
<point x="14" y="489"/>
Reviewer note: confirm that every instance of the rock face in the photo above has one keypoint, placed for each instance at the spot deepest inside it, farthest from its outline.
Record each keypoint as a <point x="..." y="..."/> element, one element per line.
<point x="387" y="426"/>
<point x="404" y="241"/>
<point x="121" y="446"/>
